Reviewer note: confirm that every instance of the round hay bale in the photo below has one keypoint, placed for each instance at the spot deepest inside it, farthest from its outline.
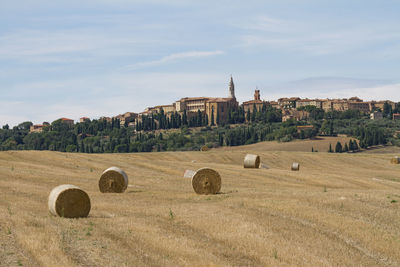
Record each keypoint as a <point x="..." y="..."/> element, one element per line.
<point x="295" y="166"/>
<point x="204" y="148"/>
<point x="395" y="160"/>
<point x="206" y="181"/>
<point x="251" y="161"/>
<point x="113" y="180"/>
<point x="69" y="201"/>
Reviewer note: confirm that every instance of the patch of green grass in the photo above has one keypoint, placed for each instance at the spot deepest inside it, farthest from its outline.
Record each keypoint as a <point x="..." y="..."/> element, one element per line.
<point x="91" y="169"/>
<point x="171" y="214"/>
<point x="10" y="211"/>
<point x="393" y="201"/>
<point x="325" y="190"/>
<point x="8" y="230"/>
<point x="19" y="263"/>
<point x="12" y="168"/>
<point x="275" y="253"/>
<point x="89" y="229"/>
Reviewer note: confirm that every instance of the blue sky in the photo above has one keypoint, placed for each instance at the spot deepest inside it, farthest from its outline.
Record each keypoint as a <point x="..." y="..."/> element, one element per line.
<point x="105" y="57"/>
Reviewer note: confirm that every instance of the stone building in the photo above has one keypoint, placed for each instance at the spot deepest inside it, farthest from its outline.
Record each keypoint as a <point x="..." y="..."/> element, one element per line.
<point x="308" y="102"/>
<point x="84" y="119"/>
<point x="37" y="128"/>
<point x="67" y="121"/>
<point x="380" y="104"/>
<point x="361" y="106"/>
<point x="220" y="107"/>
<point x="217" y="107"/>
<point x="327" y="105"/>
<point x="256" y="102"/>
<point x="191" y="104"/>
<point x="287" y="103"/>
<point x="294" y="114"/>
<point x="376" y="115"/>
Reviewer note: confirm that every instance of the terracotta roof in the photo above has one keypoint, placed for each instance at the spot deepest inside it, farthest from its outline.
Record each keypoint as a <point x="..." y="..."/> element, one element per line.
<point x="193" y="98"/>
<point x="66" y="119"/>
<point x="213" y="100"/>
<point x="253" y="102"/>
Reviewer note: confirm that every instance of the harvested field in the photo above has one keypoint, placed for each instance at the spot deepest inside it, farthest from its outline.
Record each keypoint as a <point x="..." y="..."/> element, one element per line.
<point x="341" y="209"/>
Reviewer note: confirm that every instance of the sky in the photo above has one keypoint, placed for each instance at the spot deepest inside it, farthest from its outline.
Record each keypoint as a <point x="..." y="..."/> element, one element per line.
<point x="98" y="58"/>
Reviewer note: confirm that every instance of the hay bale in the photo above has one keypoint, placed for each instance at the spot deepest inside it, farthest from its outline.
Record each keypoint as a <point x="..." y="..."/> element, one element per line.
<point x="69" y="201"/>
<point x="189" y="174"/>
<point x="295" y="166"/>
<point x="395" y="160"/>
<point x="251" y="161"/>
<point x="206" y="181"/>
<point x="113" y="180"/>
<point x="204" y="148"/>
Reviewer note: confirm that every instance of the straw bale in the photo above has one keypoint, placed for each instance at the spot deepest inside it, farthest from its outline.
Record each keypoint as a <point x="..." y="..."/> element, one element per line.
<point x="251" y="161"/>
<point x="295" y="166"/>
<point x="395" y="160"/>
<point x="204" y="148"/>
<point x="69" y="201"/>
<point x="206" y="181"/>
<point x="113" y="180"/>
<point x="188" y="174"/>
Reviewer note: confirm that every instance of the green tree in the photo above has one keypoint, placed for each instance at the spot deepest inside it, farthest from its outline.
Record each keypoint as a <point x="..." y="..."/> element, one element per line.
<point x="212" y="117"/>
<point x="339" y="148"/>
<point x="346" y="148"/>
<point x="330" y="148"/>
<point x="248" y="115"/>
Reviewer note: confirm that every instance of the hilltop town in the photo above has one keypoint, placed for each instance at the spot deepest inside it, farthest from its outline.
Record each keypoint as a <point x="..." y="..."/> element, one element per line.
<point x="216" y="111"/>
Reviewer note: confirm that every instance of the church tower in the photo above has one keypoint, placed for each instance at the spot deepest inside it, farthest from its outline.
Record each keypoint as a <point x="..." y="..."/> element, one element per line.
<point x="231" y="89"/>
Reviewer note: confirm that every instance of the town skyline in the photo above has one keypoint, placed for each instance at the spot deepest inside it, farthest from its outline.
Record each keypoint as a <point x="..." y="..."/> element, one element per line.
<point x="217" y="109"/>
<point x="71" y="58"/>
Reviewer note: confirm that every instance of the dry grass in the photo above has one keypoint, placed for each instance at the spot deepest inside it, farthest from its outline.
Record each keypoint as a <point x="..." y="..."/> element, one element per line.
<point x="341" y="209"/>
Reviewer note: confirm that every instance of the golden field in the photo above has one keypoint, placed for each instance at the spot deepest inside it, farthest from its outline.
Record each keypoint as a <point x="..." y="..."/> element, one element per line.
<point x="338" y="210"/>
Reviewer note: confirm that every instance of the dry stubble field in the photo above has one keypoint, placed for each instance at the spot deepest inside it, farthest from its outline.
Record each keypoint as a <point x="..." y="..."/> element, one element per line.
<point x="338" y="210"/>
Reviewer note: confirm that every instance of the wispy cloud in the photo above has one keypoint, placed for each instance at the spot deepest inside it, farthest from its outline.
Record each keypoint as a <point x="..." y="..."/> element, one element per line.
<point x="173" y="58"/>
<point x="313" y="38"/>
<point x="43" y="46"/>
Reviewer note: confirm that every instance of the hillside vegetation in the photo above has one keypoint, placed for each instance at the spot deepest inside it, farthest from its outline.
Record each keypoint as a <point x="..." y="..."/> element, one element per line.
<point x="339" y="209"/>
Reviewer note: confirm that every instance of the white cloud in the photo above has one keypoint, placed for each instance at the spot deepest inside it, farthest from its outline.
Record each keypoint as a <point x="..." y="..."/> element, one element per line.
<point x="314" y="38"/>
<point x="40" y="46"/>
<point x="174" y="57"/>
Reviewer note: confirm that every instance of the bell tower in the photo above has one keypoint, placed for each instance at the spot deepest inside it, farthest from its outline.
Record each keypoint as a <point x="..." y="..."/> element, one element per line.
<point x="231" y="88"/>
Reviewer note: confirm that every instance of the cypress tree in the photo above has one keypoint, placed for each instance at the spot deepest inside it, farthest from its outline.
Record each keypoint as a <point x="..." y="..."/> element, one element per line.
<point x="338" y="148"/>
<point x="330" y="148"/>
<point x="355" y="146"/>
<point x="346" y="148"/>
<point x="351" y="146"/>
<point x="212" y="117"/>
